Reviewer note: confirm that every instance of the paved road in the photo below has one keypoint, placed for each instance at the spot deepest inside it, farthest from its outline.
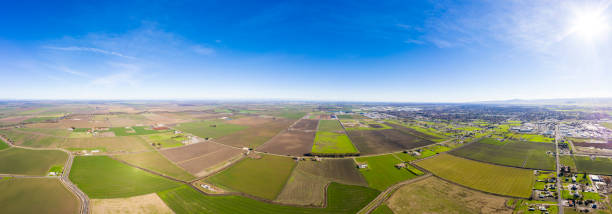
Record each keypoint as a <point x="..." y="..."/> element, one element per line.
<point x="560" y="199"/>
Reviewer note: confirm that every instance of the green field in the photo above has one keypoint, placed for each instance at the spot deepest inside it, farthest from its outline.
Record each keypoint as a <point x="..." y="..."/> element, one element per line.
<point x="333" y="143"/>
<point x="3" y="145"/>
<point x="135" y="130"/>
<point x="209" y="128"/>
<point x="567" y="160"/>
<point x="103" y="177"/>
<point x="486" y="177"/>
<point x="382" y="209"/>
<point x="29" y="139"/>
<point x="516" y="153"/>
<point x="381" y="172"/>
<point x="341" y="199"/>
<point x="36" y="195"/>
<point x="166" y="140"/>
<point x="492" y="141"/>
<point x="330" y="126"/>
<point x="156" y="162"/>
<point x="599" y="165"/>
<point x="39" y="119"/>
<point x="30" y="162"/>
<point x="264" y="177"/>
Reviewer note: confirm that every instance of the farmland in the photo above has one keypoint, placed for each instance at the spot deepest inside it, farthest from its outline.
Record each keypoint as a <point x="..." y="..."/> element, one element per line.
<point x="330" y="126"/>
<point x="306" y="124"/>
<point x="209" y="128"/>
<point x="165" y="140"/>
<point x="103" y="177"/>
<point x="30" y="162"/>
<point x="267" y="176"/>
<point x="381" y="171"/>
<point x="30" y="139"/>
<point x="433" y="195"/>
<point x="135" y="130"/>
<point x="331" y="143"/>
<point x="385" y="140"/>
<point x="198" y="158"/>
<point x="156" y="162"/>
<point x="315" y="176"/>
<point x="3" y="145"/>
<point x="599" y="165"/>
<point x="108" y="144"/>
<point x="481" y="176"/>
<point x="150" y="203"/>
<point x="516" y="153"/>
<point x="36" y="195"/>
<point x="340" y="199"/>
<point x="290" y="142"/>
<point x="256" y="135"/>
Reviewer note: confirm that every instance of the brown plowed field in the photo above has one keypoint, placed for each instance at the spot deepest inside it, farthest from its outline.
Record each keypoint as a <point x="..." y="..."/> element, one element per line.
<point x="249" y="121"/>
<point x="197" y="166"/>
<point x="306" y="124"/>
<point x="256" y="135"/>
<point x="296" y="143"/>
<point x="183" y="153"/>
<point x="383" y="141"/>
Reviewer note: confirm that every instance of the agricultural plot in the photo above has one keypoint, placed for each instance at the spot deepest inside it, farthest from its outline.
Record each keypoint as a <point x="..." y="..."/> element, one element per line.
<point x="385" y="140"/>
<point x="516" y="153"/>
<point x="425" y="133"/>
<point x="290" y="142"/>
<point x="30" y="162"/>
<point x="135" y="130"/>
<point x="264" y="177"/>
<point x="198" y="158"/>
<point x="256" y="135"/>
<point x="340" y="199"/>
<point x="107" y="144"/>
<point x="156" y="162"/>
<point x="3" y="145"/>
<point x="150" y="203"/>
<point x="599" y="165"/>
<point x="165" y="140"/>
<point x="381" y="172"/>
<point x="314" y="176"/>
<point x="306" y="124"/>
<point x="209" y="128"/>
<point x="481" y="176"/>
<point x="567" y="160"/>
<point x="103" y="177"/>
<point x="36" y="195"/>
<point x="331" y="143"/>
<point x="434" y="195"/>
<point x="30" y="139"/>
<point x="122" y="120"/>
<point x="330" y="126"/>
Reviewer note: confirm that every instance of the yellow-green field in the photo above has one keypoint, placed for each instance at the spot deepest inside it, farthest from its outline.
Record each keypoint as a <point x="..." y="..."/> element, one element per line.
<point x="481" y="176"/>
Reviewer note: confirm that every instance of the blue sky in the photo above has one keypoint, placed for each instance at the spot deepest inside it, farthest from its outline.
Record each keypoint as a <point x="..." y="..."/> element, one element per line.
<point x="402" y="51"/>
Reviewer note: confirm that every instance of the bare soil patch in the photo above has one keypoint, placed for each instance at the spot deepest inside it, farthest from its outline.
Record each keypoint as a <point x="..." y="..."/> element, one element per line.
<point x="184" y="153"/>
<point x="256" y="135"/>
<point x="150" y="203"/>
<point x="201" y="165"/>
<point x="306" y="124"/>
<point x="383" y="141"/>
<point x="250" y="121"/>
<point x="295" y="143"/>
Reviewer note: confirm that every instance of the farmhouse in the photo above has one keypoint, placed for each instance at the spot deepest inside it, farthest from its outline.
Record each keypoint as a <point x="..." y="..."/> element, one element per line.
<point x="400" y="165"/>
<point x="362" y="165"/>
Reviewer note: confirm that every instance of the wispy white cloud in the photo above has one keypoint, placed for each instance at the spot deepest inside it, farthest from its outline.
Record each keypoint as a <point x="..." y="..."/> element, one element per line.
<point x="88" y="49"/>
<point x="203" y="50"/>
<point x="126" y="74"/>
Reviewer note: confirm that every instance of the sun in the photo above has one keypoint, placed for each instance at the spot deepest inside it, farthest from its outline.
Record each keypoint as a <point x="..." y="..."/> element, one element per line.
<point x="589" y="25"/>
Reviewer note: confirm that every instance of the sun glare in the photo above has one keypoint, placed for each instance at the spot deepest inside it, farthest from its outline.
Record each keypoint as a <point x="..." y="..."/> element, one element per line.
<point x="590" y="25"/>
